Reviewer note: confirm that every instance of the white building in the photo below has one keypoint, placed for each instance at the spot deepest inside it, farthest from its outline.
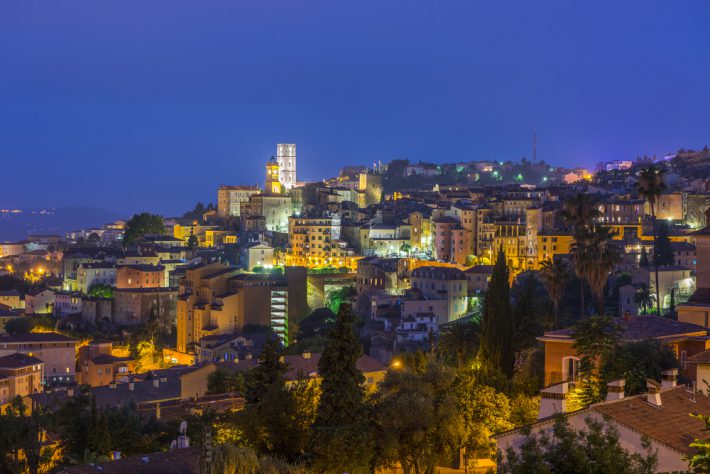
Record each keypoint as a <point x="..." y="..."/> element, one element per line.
<point x="286" y="158"/>
<point x="90" y="274"/>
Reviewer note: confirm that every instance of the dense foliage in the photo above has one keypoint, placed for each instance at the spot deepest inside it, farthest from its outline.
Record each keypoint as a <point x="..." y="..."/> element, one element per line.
<point x="140" y="225"/>
<point x="595" y="449"/>
<point x="497" y="323"/>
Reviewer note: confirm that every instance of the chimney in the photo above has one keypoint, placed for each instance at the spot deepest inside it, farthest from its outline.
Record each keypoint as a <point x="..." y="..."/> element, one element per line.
<point x="653" y="392"/>
<point x="156" y="382"/>
<point x="669" y="378"/>
<point x="553" y="399"/>
<point x="615" y="390"/>
<point x="306" y="355"/>
<point x="131" y="386"/>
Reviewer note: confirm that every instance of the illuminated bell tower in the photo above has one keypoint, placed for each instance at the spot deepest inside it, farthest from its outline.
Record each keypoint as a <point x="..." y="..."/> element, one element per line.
<point x="273" y="185"/>
<point x="286" y="157"/>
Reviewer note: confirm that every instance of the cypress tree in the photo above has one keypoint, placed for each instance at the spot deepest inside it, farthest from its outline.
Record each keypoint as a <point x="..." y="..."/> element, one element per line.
<point x="643" y="259"/>
<point x="342" y="440"/>
<point x="497" y="336"/>
<point x="527" y="320"/>
<point x="671" y="309"/>
<point x="663" y="254"/>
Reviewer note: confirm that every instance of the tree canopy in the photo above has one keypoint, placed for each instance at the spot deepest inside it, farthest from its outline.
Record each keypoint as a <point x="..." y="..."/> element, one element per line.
<point x="140" y="225"/>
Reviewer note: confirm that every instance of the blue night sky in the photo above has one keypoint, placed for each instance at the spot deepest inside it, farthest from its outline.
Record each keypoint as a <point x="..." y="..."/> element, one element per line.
<point x="150" y="105"/>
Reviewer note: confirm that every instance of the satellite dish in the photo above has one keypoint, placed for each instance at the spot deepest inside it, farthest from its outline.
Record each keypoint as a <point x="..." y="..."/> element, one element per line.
<point x="183" y="427"/>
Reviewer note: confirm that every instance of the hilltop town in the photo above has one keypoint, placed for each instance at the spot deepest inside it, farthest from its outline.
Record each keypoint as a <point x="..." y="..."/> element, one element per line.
<point x="518" y="293"/>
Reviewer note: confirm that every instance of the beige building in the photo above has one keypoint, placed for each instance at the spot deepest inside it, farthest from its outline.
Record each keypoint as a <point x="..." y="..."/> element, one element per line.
<point x="442" y="283"/>
<point x="231" y="199"/>
<point x="12" y="299"/>
<point x="40" y="301"/>
<point x="205" y="306"/>
<point x="99" y="367"/>
<point x="20" y="375"/>
<point x="258" y="254"/>
<point x="58" y="353"/>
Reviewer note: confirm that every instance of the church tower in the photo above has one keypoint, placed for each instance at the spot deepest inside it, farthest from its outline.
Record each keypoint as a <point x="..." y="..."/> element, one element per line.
<point x="286" y="158"/>
<point x="273" y="184"/>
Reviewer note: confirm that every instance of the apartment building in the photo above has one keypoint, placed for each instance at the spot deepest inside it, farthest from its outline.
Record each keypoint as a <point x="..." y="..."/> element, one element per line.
<point x="315" y="241"/>
<point x="58" y="353"/>
<point x="20" y="375"/>
<point x="442" y="283"/>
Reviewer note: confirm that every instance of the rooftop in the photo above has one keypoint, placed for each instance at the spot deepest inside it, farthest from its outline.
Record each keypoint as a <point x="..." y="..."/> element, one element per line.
<point x="36" y="337"/>
<point x="639" y="328"/>
<point x="178" y="461"/>
<point x="17" y="361"/>
<point x="670" y="423"/>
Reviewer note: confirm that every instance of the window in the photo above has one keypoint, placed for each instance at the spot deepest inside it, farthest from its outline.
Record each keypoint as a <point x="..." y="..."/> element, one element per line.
<point x="570" y="368"/>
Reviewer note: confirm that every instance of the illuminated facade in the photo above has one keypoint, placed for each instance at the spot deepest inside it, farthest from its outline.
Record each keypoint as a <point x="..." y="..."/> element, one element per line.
<point x="315" y="242"/>
<point x="273" y="183"/>
<point x="286" y="159"/>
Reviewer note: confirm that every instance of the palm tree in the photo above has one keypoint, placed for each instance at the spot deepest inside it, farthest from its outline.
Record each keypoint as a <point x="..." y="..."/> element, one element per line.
<point x="650" y="186"/>
<point x="460" y="340"/>
<point x="555" y="275"/>
<point x="644" y="298"/>
<point x="579" y="212"/>
<point x="594" y="257"/>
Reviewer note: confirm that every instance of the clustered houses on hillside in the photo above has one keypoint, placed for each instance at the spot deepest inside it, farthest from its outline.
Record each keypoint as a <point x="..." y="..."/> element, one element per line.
<point x="413" y="260"/>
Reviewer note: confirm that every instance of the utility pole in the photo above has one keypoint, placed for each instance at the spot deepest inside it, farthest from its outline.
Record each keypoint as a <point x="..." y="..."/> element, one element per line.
<point x="534" y="158"/>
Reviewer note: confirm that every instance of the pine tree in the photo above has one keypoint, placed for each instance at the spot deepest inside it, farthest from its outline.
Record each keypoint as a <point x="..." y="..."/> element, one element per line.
<point x="496" y="350"/>
<point x="342" y="440"/>
<point x="643" y="259"/>
<point x="269" y="373"/>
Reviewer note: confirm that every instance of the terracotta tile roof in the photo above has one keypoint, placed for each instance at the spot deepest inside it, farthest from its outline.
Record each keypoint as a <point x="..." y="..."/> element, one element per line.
<point x="670" y="424"/>
<point x="179" y="461"/>
<point x="700" y="358"/>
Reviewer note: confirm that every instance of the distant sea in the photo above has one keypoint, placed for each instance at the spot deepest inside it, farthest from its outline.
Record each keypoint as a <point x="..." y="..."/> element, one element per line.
<point x="17" y="224"/>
